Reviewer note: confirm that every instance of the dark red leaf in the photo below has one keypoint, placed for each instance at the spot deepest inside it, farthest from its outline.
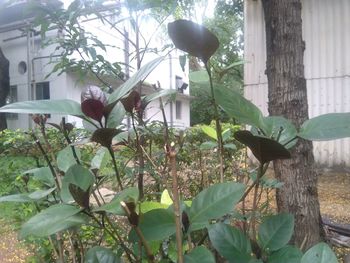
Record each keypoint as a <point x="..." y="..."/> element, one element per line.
<point x="133" y="217"/>
<point x="95" y="93"/>
<point x="80" y="196"/>
<point x="39" y="119"/>
<point x="131" y="102"/>
<point x="195" y="39"/>
<point x="185" y="222"/>
<point x="264" y="149"/>
<point x="58" y="127"/>
<point x="93" y="109"/>
<point x="69" y="127"/>
<point x="104" y="136"/>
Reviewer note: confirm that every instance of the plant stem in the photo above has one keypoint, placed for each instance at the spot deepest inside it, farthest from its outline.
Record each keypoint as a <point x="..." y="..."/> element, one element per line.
<point x="265" y="166"/>
<point x="171" y="154"/>
<point x="177" y="210"/>
<point x="116" y="238"/>
<point x="290" y="141"/>
<point x="141" y="160"/>
<point x="217" y="125"/>
<point x="126" y="249"/>
<point x="256" y="189"/>
<point x="57" y="179"/>
<point x="114" y="161"/>
<point x="65" y="134"/>
<point x="139" y="234"/>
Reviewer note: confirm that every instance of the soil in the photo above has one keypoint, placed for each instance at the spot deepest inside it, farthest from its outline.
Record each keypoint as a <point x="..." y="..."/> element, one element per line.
<point x="334" y="196"/>
<point x="11" y="249"/>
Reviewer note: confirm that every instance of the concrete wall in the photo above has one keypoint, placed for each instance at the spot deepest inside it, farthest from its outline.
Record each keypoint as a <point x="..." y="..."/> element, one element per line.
<point x="66" y="86"/>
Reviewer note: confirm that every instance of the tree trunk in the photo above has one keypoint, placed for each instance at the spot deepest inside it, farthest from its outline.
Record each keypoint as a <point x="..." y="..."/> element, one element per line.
<point x="4" y="87"/>
<point x="288" y="97"/>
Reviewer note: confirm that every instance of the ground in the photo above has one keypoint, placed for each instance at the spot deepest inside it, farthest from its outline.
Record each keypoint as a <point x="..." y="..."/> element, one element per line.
<point x="11" y="250"/>
<point x="334" y="194"/>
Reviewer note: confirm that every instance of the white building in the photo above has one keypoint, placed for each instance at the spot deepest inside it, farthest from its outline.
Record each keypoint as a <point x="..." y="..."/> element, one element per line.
<point x="21" y="44"/>
<point x="327" y="66"/>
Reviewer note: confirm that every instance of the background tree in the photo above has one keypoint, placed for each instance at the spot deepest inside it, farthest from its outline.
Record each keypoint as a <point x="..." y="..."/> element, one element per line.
<point x="4" y="87"/>
<point x="227" y="24"/>
<point x="288" y="97"/>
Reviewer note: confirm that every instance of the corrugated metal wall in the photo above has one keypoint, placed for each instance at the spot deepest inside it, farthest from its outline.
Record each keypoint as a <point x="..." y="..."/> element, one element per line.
<point x="326" y="31"/>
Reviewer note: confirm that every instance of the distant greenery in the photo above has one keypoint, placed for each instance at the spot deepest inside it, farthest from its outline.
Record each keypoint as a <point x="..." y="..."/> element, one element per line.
<point x="177" y="196"/>
<point x="227" y="24"/>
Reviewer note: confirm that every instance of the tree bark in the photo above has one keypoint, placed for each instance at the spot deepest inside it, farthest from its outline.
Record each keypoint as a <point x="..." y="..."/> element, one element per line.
<point x="4" y="87"/>
<point x="288" y="97"/>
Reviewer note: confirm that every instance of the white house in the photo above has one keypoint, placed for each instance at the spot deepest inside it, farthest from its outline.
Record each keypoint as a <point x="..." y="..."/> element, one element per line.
<point x="21" y="43"/>
<point x="327" y="65"/>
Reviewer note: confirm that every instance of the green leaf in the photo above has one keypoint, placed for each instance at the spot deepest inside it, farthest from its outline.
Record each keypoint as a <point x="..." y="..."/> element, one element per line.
<point x="235" y="64"/>
<point x="320" y="253"/>
<point x="199" y="254"/>
<point x="230" y="242"/>
<point x="230" y="146"/>
<point x="69" y="107"/>
<point x="154" y="248"/>
<point x="65" y="158"/>
<point x="28" y="197"/>
<point x="116" y="116"/>
<point x="100" y="159"/>
<point x="52" y="220"/>
<point x="226" y="134"/>
<point x="165" y="198"/>
<point x="200" y="76"/>
<point x="114" y="206"/>
<point x="101" y="255"/>
<point x="156" y="224"/>
<point x="159" y="94"/>
<point x="272" y="126"/>
<point x="239" y="108"/>
<point x="151" y="205"/>
<point x="79" y="176"/>
<point x="214" y="202"/>
<point x="208" y="145"/>
<point x="211" y="132"/>
<point x="182" y="60"/>
<point x="288" y="254"/>
<point x="275" y="232"/>
<point x="134" y="80"/>
<point x="21" y="198"/>
<point x="42" y="175"/>
<point x="39" y="194"/>
<point x="326" y="127"/>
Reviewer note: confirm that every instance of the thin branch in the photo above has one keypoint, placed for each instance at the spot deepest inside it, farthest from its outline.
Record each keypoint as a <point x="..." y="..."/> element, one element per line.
<point x="177" y="210"/>
<point x="217" y="125"/>
<point x="114" y="161"/>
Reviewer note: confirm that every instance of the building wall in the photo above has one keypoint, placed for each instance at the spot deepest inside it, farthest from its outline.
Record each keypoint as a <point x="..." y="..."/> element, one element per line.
<point x="66" y="85"/>
<point x="327" y="66"/>
<point x="37" y="67"/>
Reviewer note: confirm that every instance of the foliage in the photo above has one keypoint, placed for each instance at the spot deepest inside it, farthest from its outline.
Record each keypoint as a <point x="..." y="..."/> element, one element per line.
<point x="153" y="222"/>
<point x="227" y="24"/>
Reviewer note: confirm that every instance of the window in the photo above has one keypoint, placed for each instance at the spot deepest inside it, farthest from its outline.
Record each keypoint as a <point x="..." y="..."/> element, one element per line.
<point x="178" y="109"/>
<point x="11" y="98"/>
<point x="180" y="84"/>
<point x="22" y="67"/>
<point x="42" y="91"/>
